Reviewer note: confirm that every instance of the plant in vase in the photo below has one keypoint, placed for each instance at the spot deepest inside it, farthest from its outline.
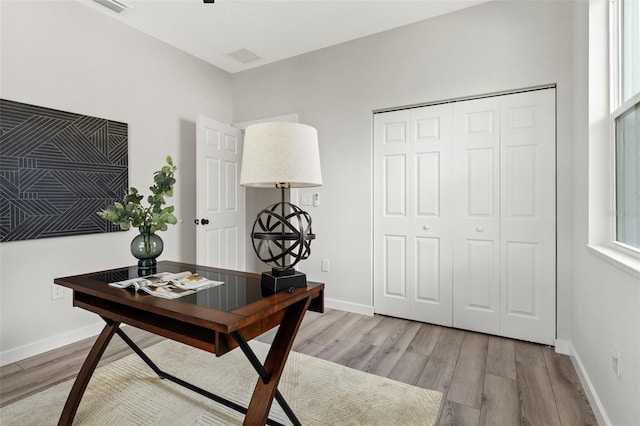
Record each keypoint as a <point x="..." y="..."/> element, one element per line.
<point x="146" y="246"/>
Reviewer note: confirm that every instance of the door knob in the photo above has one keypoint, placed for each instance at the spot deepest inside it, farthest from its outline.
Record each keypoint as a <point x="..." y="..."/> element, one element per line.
<point x="204" y="221"/>
<point x="425" y="227"/>
<point x="480" y="229"/>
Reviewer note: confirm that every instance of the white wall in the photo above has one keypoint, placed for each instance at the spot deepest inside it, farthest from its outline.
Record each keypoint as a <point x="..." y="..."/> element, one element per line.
<point x="491" y="47"/>
<point x="606" y="300"/>
<point x="67" y="56"/>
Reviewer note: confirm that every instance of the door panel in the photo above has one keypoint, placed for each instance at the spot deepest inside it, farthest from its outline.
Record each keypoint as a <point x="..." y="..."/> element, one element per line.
<point x="395" y="174"/>
<point x="428" y="184"/>
<point x="431" y="214"/>
<point x="428" y="269"/>
<point x="231" y="237"/>
<point x="231" y="199"/>
<point x="476" y="236"/>
<point x="395" y="255"/>
<point x="219" y="197"/>
<point x="520" y="278"/>
<point x="213" y="246"/>
<point x="412" y="213"/>
<point x="395" y="132"/>
<point x="481" y="274"/>
<point x="528" y="232"/>
<point x="480" y="188"/>
<point x="212" y="191"/>
<point x="521" y="197"/>
<point x="390" y="222"/>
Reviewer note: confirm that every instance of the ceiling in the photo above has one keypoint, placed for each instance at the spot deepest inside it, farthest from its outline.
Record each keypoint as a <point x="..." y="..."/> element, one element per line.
<point x="271" y="29"/>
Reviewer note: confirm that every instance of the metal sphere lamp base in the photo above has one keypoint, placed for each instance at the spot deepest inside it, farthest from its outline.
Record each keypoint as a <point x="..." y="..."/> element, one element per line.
<point x="281" y="238"/>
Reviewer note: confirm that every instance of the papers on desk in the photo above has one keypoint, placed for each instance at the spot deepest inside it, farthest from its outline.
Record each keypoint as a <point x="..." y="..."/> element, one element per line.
<point x="168" y="285"/>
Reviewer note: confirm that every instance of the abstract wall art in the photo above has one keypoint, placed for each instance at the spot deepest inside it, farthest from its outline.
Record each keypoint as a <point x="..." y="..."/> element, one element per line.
<point x="57" y="169"/>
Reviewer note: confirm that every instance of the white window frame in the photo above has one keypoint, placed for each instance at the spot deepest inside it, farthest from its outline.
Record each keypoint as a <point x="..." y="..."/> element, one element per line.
<point x="632" y="251"/>
<point x="617" y="109"/>
<point x="604" y="95"/>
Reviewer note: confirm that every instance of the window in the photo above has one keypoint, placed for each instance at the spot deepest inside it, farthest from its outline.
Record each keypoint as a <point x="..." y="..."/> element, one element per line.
<point x="625" y="118"/>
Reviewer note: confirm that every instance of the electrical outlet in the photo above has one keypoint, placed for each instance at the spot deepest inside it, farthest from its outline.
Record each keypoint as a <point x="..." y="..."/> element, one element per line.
<point x="56" y="292"/>
<point x="617" y="360"/>
<point x="324" y="265"/>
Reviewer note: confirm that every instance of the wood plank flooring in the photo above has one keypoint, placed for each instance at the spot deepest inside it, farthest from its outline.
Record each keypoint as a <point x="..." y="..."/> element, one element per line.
<point x="486" y="380"/>
<point x="31" y="375"/>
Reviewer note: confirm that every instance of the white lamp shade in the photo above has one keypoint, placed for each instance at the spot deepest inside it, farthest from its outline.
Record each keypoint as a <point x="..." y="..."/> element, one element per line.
<point x="280" y="153"/>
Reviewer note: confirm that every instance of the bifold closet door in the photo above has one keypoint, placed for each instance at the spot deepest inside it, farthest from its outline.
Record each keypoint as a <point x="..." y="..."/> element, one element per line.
<point x="464" y="215"/>
<point x="413" y="214"/>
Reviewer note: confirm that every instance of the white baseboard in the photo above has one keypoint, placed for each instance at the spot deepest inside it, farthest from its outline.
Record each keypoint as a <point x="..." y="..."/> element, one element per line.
<point x="590" y="391"/>
<point x="50" y="343"/>
<point x="54" y="342"/>
<point x="356" y="308"/>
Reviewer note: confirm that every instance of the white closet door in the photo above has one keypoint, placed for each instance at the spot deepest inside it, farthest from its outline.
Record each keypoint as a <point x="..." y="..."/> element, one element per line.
<point x="528" y="232"/>
<point x="464" y="215"/>
<point x="412" y="214"/>
<point x="476" y="237"/>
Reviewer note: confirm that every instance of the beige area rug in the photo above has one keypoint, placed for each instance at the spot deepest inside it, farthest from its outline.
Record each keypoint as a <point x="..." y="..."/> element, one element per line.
<point x="127" y="392"/>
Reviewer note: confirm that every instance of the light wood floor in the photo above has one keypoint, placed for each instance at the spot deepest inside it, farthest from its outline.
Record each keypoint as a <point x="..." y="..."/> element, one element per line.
<point x="485" y="379"/>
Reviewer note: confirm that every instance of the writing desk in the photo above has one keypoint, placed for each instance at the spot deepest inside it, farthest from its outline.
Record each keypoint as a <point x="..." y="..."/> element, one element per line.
<point x="215" y="319"/>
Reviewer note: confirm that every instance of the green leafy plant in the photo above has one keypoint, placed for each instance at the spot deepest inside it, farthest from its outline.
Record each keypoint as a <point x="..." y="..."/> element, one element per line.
<point x="151" y="218"/>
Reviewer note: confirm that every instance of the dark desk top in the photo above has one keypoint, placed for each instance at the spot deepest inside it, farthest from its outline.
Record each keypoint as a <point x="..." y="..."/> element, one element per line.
<point x="227" y="307"/>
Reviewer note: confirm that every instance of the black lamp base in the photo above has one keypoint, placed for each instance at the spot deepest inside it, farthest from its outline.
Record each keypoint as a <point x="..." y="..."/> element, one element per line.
<point x="286" y="280"/>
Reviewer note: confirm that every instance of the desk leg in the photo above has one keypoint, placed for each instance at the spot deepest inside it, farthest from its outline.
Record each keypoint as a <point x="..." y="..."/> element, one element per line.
<point x="89" y="366"/>
<point x="264" y="393"/>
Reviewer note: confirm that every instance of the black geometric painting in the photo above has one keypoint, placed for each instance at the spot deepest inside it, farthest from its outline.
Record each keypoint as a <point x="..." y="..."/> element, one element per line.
<point x="57" y="169"/>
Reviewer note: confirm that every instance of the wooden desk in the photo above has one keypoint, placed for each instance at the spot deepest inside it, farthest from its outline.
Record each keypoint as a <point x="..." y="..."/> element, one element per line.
<point x="217" y="320"/>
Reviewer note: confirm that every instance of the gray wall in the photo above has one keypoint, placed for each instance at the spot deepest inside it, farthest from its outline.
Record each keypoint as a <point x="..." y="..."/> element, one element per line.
<point x="67" y="56"/>
<point x="491" y="47"/>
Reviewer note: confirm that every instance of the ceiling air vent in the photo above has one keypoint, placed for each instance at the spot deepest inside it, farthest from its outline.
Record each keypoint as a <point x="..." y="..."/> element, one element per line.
<point x="113" y="5"/>
<point x="244" y="56"/>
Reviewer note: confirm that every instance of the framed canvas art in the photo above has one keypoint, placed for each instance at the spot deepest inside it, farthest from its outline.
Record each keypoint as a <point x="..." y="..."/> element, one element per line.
<point x="57" y="169"/>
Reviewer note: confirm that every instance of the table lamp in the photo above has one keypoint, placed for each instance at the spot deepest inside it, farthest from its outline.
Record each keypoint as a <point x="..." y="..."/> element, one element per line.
<point x="281" y="155"/>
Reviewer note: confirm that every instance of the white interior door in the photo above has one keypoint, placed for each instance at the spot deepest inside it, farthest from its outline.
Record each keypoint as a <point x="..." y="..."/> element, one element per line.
<point x="220" y="200"/>
<point x="528" y="214"/>
<point x="413" y="214"/>
<point x="476" y="237"/>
